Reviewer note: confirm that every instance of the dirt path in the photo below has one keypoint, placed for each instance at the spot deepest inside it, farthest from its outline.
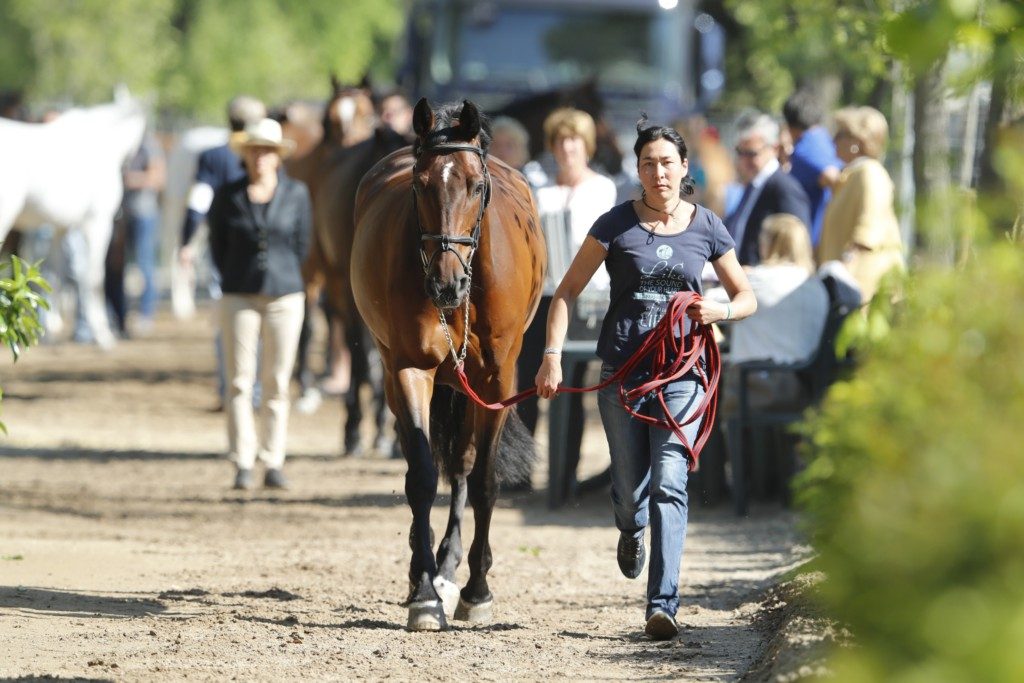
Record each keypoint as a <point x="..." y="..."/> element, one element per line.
<point x="124" y="556"/>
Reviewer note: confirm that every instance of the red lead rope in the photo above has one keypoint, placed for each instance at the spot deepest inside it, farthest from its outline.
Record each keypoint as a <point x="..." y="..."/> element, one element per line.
<point x="672" y="354"/>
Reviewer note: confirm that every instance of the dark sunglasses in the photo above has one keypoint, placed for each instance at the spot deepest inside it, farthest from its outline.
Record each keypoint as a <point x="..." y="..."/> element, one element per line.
<point x="748" y="153"/>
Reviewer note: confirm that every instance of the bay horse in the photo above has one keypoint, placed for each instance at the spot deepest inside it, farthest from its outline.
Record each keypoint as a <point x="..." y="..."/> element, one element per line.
<point x="67" y="173"/>
<point x="448" y="254"/>
<point x="349" y="118"/>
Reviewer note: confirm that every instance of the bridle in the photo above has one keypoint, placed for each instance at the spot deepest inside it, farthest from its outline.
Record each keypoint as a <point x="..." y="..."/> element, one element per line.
<point x="446" y="241"/>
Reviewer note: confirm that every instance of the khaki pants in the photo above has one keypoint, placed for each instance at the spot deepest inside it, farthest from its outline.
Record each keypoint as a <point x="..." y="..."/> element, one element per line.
<point x="242" y="317"/>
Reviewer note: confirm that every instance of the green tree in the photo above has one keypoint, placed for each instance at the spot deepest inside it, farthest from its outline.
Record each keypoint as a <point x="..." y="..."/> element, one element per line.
<point x="79" y="49"/>
<point x="20" y="304"/>
<point x="275" y="49"/>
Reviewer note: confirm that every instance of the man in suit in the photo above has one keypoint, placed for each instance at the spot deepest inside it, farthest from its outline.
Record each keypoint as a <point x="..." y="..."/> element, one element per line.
<point x="767" y="189"/>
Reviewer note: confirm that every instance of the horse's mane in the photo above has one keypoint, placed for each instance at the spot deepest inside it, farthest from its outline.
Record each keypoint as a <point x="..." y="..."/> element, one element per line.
<point x="446" y="129"/>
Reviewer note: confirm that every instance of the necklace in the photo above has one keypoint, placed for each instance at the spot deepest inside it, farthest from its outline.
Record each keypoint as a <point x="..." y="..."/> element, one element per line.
<point x="671" y="213"/>
<point x="653" y="225"/>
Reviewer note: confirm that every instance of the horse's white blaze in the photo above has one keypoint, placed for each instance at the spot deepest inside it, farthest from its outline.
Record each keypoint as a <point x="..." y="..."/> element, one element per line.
<point x="346" y="110"/>
<point x="446" y="171"/>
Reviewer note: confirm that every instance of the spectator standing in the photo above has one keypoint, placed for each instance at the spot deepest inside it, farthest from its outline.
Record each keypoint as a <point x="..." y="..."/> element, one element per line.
<point x="568" y="205"/>
<point x="260" y="232"/>
<point x="510" y="142"/>
<point x="767" y="189"/>
<point x="217" y="167"/>
<point x="860" y="227"/>
<point x="813" y="160"/>
<point x="144" y="177"/>
<point x="395" y="112"/>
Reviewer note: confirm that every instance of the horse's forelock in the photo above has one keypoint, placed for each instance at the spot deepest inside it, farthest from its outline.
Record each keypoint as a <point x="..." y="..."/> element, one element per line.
<point x="446" y="129"/>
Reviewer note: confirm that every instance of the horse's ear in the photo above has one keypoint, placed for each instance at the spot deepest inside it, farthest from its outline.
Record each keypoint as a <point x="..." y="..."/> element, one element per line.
<point x="422" y="118"/>
<point x="335" y="85"/>
<point x="367" y="82"/>
<point x="469" y="120"/>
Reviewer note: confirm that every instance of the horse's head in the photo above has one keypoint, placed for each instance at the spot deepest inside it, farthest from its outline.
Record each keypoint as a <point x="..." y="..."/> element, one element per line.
<point x="451" y="187"/>
<point x="350" y="115"/>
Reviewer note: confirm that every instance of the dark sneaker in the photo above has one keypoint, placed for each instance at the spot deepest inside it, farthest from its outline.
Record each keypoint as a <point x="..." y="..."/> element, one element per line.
<point x="661" y="626"/>
<point x="243" y="480"/>
<point x="631" y="555"/>
<point x="274" y="479"/>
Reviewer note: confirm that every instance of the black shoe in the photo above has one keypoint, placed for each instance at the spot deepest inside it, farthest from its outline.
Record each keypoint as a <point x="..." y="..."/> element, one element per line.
<point x="631" y="554"/>
<point x="661" y="626"/>
<point x="274" y="479"/>
<point x="243" y="480"/>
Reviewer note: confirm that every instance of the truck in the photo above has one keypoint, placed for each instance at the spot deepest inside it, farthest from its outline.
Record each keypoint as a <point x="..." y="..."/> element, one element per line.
<point x="664" y="57"/>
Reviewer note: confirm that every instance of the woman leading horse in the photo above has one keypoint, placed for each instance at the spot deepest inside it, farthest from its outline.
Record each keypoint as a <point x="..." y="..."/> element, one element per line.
<point x="447" y="266"/>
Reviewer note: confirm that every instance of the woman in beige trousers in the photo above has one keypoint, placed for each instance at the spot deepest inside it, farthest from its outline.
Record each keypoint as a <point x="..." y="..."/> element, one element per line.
<point x="260" y="229"/>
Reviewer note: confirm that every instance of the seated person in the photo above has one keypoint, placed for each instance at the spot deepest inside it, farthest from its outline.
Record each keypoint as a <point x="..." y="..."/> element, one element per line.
<point x="792" y="306"/>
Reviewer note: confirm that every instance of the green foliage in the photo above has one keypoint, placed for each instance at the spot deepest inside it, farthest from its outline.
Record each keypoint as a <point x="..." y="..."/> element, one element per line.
<point x="788" y="42"/>
<point x="191" y="55"/>
<point x="80" y="49"/>
<point x="915" y="494"/>
<point x="20" y="303"/>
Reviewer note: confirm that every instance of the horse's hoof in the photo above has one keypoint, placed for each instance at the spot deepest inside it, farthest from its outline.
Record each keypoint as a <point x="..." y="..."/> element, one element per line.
<point x="449" y="594"/>
<point x="427" y="615"/>
<point x="309" y="402"/>
<point x="474" y="613"/>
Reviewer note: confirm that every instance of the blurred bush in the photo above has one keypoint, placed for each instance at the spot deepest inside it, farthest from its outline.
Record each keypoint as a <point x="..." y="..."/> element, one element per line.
<point x="20" y="304"/>
<point x="915" y="493"/>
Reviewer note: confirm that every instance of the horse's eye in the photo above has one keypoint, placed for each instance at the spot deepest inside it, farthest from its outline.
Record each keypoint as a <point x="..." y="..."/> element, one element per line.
<point x="478" y="190"/>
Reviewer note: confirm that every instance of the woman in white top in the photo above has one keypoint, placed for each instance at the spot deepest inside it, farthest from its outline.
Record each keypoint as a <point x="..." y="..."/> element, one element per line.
<point x="792" y="305"/>
<point x="568" y="206"/>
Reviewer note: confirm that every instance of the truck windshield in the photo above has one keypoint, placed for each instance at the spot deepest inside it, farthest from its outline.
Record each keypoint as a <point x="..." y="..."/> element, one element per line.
<point x="544" y="47"/>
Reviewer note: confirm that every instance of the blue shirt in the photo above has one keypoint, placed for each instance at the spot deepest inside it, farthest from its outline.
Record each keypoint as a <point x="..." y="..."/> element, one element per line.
<point x="812" y="154"/>
<point x="646" y="269"/>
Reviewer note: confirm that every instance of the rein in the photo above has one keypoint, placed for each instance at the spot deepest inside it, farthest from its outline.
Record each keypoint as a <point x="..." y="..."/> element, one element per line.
<point x="670" y="358"/>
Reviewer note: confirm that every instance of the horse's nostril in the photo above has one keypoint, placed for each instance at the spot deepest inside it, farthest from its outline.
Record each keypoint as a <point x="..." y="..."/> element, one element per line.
<point x="463" y="283"/>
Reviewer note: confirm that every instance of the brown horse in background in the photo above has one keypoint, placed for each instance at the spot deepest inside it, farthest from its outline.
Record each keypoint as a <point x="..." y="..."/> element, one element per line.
<point x="348" y="119"/>
<point x="448" y="254"/>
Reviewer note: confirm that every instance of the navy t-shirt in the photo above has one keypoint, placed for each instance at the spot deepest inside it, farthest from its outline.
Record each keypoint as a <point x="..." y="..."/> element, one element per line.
<point x="646" y="269"/>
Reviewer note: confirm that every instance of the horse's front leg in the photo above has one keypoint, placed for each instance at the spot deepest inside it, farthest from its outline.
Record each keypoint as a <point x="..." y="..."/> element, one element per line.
<point x="476" y="600"/>
<point x="409" y="393"/>
<point x="450" y="550"/>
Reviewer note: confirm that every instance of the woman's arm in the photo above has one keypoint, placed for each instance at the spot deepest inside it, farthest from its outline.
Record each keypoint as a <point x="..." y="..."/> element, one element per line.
<point x="586" y="262"/>
<point x="741" y="297"/>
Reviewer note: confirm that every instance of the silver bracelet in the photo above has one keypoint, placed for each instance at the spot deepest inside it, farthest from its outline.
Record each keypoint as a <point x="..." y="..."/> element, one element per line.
<point x="553" y="350"/>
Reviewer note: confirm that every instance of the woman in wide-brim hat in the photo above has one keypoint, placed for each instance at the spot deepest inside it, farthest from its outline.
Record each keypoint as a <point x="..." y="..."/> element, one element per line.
<point x="260" y="230"/>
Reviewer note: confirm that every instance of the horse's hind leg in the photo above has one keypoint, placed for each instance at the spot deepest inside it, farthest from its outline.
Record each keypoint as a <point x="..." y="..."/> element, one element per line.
<point x="452" y="434"/>
<point x="449" y="553"/>
<point x="97" y="232"/>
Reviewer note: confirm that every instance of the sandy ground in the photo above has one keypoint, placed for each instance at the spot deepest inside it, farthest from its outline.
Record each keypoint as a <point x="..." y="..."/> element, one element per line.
<point x="124" y="556"/>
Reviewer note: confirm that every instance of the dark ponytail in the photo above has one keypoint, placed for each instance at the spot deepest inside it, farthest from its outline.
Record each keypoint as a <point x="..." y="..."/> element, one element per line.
<point x="646" y="134"/>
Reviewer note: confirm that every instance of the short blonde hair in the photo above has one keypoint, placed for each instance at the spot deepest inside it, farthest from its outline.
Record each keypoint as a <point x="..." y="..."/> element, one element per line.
<point x="569" y="122"/>
<point x="784" y="239"/>
<point x="867" y="126"/>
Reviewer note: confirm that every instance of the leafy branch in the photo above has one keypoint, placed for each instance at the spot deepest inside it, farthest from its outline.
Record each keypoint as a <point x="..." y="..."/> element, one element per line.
<point x="21" y="300"/>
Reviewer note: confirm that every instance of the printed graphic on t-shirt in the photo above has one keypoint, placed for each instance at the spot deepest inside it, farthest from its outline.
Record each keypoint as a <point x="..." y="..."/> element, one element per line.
<point x="658" y="283"/>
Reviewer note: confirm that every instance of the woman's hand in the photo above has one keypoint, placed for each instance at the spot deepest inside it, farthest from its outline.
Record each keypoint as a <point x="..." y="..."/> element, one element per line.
<point x="706" y="311"/>
<point x="549" y="376"/>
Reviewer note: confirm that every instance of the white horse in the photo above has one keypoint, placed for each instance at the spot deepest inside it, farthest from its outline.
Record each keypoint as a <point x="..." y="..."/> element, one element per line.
<point x="67" y="173"/>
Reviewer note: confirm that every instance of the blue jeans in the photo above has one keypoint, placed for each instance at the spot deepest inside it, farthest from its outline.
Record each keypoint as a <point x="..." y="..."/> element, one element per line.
<point x="143" y="236"/>
<point x="649" y="475"/>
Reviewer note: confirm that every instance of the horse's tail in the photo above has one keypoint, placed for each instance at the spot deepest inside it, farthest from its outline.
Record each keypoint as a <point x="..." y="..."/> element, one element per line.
<point x="449" y="416"/>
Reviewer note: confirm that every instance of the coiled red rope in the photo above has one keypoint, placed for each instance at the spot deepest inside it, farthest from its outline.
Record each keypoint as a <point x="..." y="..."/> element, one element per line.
<point x="672" y="353"/>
